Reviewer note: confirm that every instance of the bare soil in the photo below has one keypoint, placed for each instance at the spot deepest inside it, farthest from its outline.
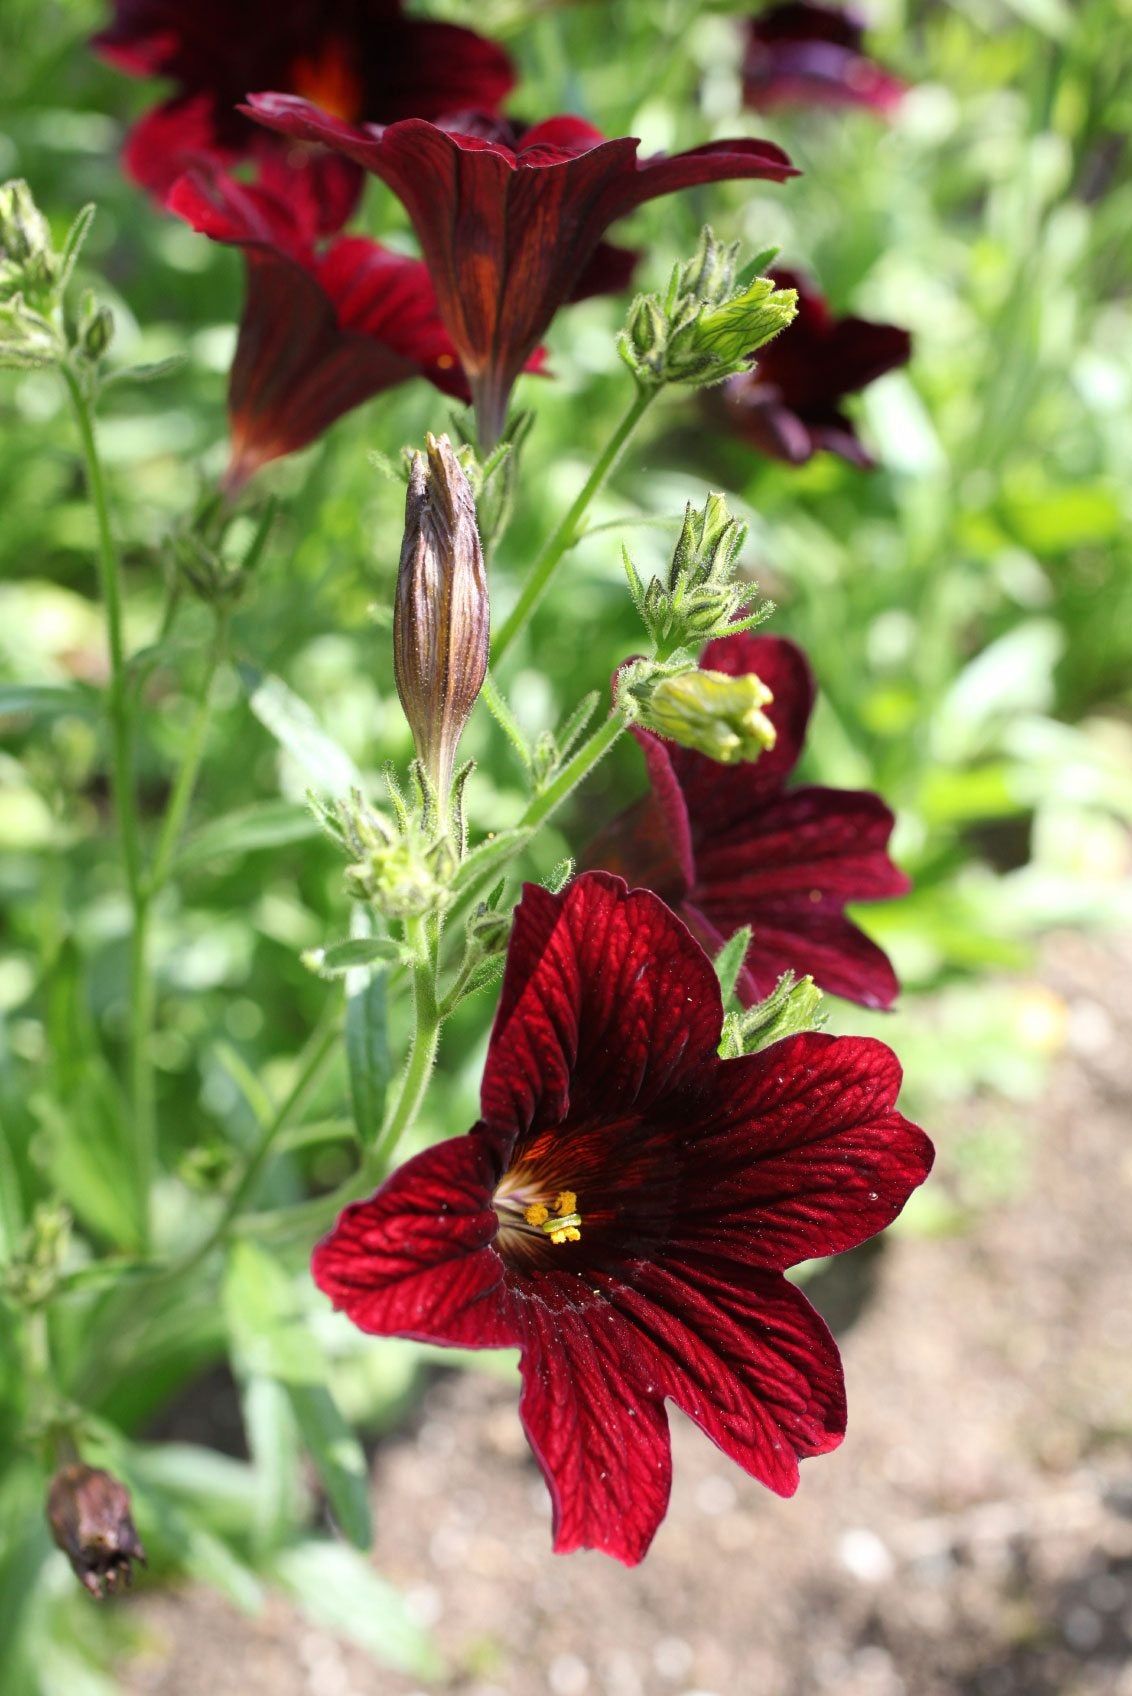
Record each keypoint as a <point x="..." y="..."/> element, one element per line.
<point x="973" y="1536"/>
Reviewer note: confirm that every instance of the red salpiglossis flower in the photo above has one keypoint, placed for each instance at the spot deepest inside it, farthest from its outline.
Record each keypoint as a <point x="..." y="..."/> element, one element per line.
<point x="693" y="1183"/>
<point x="508" y="233"/>
<point x="788" y="405"/>
<point x="322" y="329"/>
<point x="802" y="54"/>
<point x="729" y="846"/>
<point x="357" y="58"/>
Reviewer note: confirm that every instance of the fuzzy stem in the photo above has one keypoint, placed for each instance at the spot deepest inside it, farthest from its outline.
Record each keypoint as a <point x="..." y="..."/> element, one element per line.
<point x="425" y="940"/>
<point x="569" y="530"/>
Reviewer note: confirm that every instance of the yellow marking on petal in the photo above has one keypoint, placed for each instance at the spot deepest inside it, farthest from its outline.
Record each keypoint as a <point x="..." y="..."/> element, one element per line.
<point x="536" y="1213"/>
<point x="565" y="1202"/>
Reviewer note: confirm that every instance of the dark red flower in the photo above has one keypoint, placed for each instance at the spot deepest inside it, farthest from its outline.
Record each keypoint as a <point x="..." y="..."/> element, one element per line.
<point x="360" y="59"/>
<point x="509" y="233"/>
<point x="729" y="846"/>
<point x="322" y="330"/>
<point x="679" y="1186"/>
<point x="788" y="405"/>
<point x="803" y="54"/>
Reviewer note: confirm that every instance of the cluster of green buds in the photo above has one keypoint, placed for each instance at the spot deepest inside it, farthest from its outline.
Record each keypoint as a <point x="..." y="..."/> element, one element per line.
<point x="708" y="323"/>
<point x="204" y="553"/>
<point x="701" y="598"/>
<point x="34" y="275"/>
<point x="703" y="595"/>
<point x="404" y="864"/>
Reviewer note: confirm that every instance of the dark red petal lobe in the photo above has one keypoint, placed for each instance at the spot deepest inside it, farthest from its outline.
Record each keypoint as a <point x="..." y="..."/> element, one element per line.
<point x="800" y="54"/>
<point x="295" y="371"/>
<point x="742" y="1353"/>
<point x="756" y="412"/>
<point x="170" y="140"/>
<point x="716" y="161"/>
<point x="859" y="351"/>
<point x="607" y="1002"/>
<point x="650" y="843"/>
<point x="610" y="271"/>
<point x="389" y="297"/>
<point x="788" y="868"/>
<point x="601" y="1442"/>
<point x="427" y="69"/>
<point x="415" y="1260"/>
<point x="801" y="1153"/>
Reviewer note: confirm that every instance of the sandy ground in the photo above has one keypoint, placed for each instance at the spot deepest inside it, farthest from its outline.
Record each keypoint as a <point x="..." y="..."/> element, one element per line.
<point x="973" y="1537"/>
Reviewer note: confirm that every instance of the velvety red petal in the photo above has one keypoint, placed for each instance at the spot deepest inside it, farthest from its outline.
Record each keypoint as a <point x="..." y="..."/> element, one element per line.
<point x="801" y="1154"/>
<point x="427" y="69"/>
<point x="171" y="140"/>
<point x="608" y="1002"/>
<point x="415" y="1260"/>
<point x="601" y="1442"/>
<point x="807" y="20"/>
<point x="859" y="351"/>
<point x="295" y="370"/>
<point x="389" y="297"/>
<point x="716" y="161"/>
<point x="755" y="411"/>
<point x="744" y="1355"/>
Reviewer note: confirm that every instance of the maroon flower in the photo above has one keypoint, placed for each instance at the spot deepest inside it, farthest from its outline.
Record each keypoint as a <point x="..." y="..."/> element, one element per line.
<point x="729" y="846"/>
<point x="356" y="58"/>
<point x="322" y="331"/>
<point x="625" y="1208"/>
<point x="788" y="405"/>
<point x="509" y="233"/>
<point x="803" y="54"/>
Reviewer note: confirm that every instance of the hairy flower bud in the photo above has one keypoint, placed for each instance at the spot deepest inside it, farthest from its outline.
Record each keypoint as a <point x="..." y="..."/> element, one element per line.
<point x="719" y="715"/>
<point x="441" y="614"/>
<point x="89" y="1512"/>
<point x="28" y="262"/>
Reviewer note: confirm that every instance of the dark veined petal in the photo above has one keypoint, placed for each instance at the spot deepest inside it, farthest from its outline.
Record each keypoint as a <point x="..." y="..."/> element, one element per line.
<point x="742" y="1353"/>
<point x="602" y="1443"/>
<point x="607" y="1002"/>
<point x="415" y="1260"/>
<point x="802" y="1153"/>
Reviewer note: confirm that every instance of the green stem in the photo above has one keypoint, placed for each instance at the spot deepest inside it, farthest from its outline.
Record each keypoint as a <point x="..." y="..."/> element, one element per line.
<point x="318" y="1051"/>
<point x="569" y="531"/>
<point x="110" y="582"/>
<point x="184" y="784"/>
<point x="593" y="749"/>
<point x="125" y="805"/>
<point x="422" y="1052"/>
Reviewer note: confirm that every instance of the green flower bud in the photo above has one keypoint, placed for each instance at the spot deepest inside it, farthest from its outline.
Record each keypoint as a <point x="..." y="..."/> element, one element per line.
<point x="441" y="612"/>
<point x="718" y="715"/>
<point x="28" y="262"/>
<point x="733" y="330"/>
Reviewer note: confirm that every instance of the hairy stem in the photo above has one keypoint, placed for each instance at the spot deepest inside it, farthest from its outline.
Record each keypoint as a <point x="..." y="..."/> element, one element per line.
<point x="424" y="937"/>
<point x="569" y="531"/>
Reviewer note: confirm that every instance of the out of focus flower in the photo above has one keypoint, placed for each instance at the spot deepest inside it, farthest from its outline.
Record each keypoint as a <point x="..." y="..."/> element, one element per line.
<point x="441" y="612"/>
<point x="90" y="1516"/>
<point x="804" y="54"/>
<point x="788" y="405"/>
<point x="360" y="59"/>
<point x="625" y="1209"/>
<point x="730" y="845"/>
<point x="323" y="328"/>
<point x="509" y="233"/>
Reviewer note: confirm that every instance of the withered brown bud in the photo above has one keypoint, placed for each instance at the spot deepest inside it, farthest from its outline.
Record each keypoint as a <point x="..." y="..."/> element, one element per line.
<point x="89" y="1514"/>
<point x="441" y="616"/>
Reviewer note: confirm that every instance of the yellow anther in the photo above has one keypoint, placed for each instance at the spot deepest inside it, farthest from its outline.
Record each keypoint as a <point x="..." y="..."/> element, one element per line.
<point x="565" y="1202"/>
<point x="536" y="1213"/>
<point x="568" y="1234"/>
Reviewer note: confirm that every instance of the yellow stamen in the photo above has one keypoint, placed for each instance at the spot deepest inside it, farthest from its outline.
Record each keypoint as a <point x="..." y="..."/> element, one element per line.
<point x="566" y="1234"/>
<point x="536" y="1213"/>
<point x="565" y="1202"/>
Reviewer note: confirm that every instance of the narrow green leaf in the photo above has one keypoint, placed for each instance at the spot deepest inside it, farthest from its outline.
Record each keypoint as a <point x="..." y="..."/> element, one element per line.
<point x="273" y="1438"/>
<point x="296" y="728"/>
<point x="266" y="824"/>
<point x="338" y="1458"/>
<point x="336" y="1588"/>
<point x="340" y="957"/>
<point x="46" y="700"/>
<point x="728" y="962"/>
<point x="367" y="1050"/>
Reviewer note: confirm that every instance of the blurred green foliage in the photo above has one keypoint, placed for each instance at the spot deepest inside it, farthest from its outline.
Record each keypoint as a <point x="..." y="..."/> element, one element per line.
<point x="968" y="610"/>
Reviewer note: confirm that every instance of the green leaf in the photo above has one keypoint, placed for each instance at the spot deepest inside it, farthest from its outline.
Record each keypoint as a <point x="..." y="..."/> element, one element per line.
<point x="90" y="1154"/>
<point x="297" y="730"/>
<point x="488" y="857"/>
<point x="338" y="1458"/>
<point x="368" y="1060"/>
<point x="339" y="957"/>
<point x="273" y="1438"/>
<point x="266" y="824"/>
<point x="46" y="700"/>
<point x="729" y="962"/>
<point x="336" y="1588"/>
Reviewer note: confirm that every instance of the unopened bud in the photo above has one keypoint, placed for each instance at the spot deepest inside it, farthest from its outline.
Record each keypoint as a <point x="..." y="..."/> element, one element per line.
<point x="90" y="1516"/>
<point x="95" y="330"/>
<point x="719" y="715"/>
<point x="27" y="259"/>
<point x="441" y="614"/>
<point x="735" y="329"/>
